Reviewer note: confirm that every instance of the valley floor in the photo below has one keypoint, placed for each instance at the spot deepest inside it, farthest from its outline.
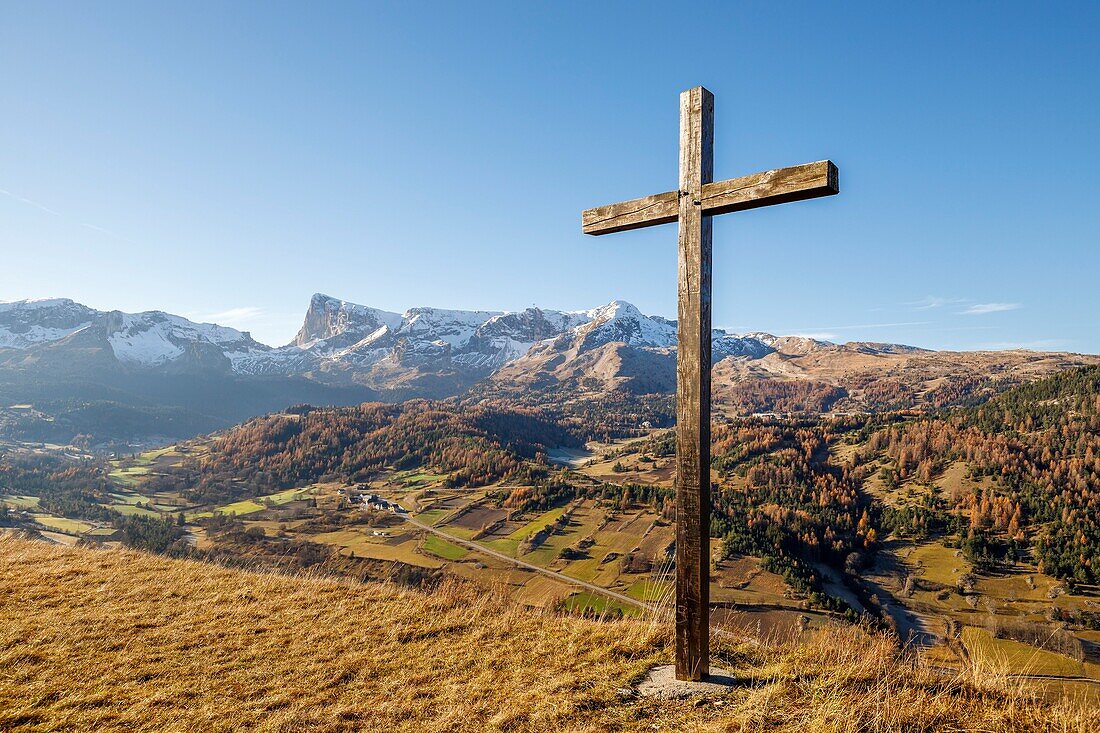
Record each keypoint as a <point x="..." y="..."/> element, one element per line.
<point x="112" y="640"/>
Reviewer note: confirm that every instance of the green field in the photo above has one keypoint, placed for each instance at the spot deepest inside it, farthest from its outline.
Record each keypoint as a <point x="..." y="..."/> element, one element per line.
<point x="63" y="524"/>
<point x="432" y="515"/>
<point x="127" y="497"/>
<point x="125" y="503"/>
<point x="129" y="476"/>
<point x="648" y="591"/>
<point x="594" y="603"/>
<point x="444" y="549"/>
<point x="149" y="456"/>
<point x="938" y="564"/>
<point x="544" y="554"/>
<point x="129" y="472"/>
<point x="586" y="569"/>
<point x="1018" y="658"/>
<point x="413" y="478"/>
<point x="129" y="510"/>
<point x="464" y="533"/>
<point x="251" y="506"/>
<point x="537" y="523"/>
<point x="20" y="502"/>
<point x="366" y="546"/>
<point x="505" y="545"/>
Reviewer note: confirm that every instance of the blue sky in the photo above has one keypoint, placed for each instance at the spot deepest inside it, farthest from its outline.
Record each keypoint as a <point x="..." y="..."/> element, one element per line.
<point x="225" y="161"/>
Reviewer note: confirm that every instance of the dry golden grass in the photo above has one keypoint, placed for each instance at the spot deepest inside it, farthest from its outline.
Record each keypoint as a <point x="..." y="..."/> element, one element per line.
<point x="113" y="640"/>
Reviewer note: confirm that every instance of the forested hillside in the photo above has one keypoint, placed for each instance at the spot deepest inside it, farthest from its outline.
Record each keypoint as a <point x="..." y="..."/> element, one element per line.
<point x="832" y="489"/>
<point x="1039" y="446"/>
<point x="474" y="445"/>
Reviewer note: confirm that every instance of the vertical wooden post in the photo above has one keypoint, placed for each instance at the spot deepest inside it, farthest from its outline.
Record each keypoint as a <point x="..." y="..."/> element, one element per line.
<point x="693" y="204"/>
<point x="693" y="389"/>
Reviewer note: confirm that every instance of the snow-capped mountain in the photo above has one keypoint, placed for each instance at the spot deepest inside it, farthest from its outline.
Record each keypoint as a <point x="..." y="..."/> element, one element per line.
<point x="108" y="374"/>
<point x="430" y="352"/>
<point x="508" y="336"/>
<point x="25" y="323"/>
<point x="333" y="324"/>
<point x="621" y="322"/>
<point x="154" y="339"/>
<point x="616" y="346"/>
<point x="341" y="341"/>
<point x="344" y="342"/>
<point x="149" y="340"/>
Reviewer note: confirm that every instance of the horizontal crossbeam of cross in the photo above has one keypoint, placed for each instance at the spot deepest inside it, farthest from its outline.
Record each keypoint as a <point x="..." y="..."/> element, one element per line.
<point x="779" y="186"/>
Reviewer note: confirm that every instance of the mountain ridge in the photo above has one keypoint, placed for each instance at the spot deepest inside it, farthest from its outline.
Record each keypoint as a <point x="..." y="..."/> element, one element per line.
<point x="333" y="327"/>
<point x="59" y="356"/>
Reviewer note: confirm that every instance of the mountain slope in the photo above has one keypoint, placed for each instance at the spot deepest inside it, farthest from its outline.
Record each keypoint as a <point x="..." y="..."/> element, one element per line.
<point x="113" y="640"/>
<point x="622" y="350"/>
<point x="872" y="378"/>
<point x="150" y="340"/>
<point x="62" y="358"/>
<point x="29" y="322"/>
<point x="423" y="352"/>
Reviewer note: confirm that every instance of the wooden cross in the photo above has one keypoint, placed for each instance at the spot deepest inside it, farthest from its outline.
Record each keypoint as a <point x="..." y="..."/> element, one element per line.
<point x="693" y="205"/>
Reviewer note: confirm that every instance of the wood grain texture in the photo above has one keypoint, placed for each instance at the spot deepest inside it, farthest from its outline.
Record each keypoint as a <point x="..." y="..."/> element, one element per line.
<point x="693" y="358"/>
<point x="661" y="208"/>
<point x="778" y="186"/>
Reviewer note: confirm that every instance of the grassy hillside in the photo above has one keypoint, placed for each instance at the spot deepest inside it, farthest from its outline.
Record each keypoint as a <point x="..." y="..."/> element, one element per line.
<point x="110" y="639"/>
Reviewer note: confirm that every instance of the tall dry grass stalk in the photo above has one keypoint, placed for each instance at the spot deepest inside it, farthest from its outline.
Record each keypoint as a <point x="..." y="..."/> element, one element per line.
<point x="114" y="640"/>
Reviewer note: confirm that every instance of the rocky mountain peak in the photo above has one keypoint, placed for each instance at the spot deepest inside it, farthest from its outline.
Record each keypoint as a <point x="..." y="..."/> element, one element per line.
<point x="339" y="323"/>
<point x="619" y="321"/>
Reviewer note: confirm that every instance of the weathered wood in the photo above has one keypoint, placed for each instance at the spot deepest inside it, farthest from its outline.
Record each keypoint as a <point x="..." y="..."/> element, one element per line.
<point x="693" y="205"/>
<point x="779" y="186"/>
<point x="662" y="208"/>
<point x="693" y="389"/>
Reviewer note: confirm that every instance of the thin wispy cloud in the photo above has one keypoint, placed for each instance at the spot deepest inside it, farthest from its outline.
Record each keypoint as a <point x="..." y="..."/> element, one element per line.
<point x="979" y="309"/>
<point x="930" y="302"/>
<point x="101" y="230"/>
<point x="970" y="327"/>
<point x="1037" y="345"/>
<point x="54" y="212"/>
<point x="29" y="202"/>
<point x="854" y="327"/>
<point x="233" y="316"/>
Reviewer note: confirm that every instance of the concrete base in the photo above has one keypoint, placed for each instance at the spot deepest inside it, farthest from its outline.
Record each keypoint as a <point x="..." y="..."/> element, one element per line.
<point x="661" y="683"/>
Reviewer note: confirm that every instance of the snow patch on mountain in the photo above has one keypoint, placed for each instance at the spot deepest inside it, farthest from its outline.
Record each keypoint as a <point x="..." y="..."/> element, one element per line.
<point x="155" y="338"/>
<point x="338" y="334"/>
<point x="31" y="304"/>
<point x="453" y="327"/>
<point x="27" y="323"/>
<point x="621" y="321"/>
<point x="346" y="342"/>
<point x="35" y="335"/>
